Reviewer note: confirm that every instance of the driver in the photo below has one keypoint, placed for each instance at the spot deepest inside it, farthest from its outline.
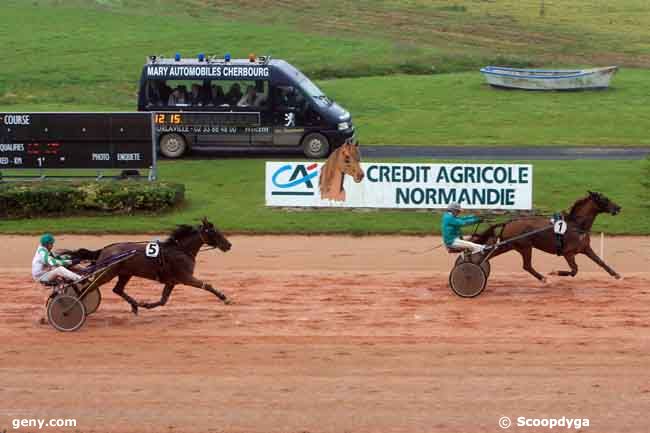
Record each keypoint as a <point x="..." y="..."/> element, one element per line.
<point x="451" y="229"/>
<point x="47" y="267"/>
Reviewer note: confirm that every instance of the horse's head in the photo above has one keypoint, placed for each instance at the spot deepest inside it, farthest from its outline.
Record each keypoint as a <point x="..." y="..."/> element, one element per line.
<point x="212" y="236"/>
<point x="603" y="204"/>
<point x="351" y="161"/>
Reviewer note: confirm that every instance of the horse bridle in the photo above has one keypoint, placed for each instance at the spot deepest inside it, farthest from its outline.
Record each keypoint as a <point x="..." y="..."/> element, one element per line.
<point x="210" y="247"/>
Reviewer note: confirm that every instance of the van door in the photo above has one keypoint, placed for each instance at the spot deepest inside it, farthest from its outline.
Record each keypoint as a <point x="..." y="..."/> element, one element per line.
<point x="263" y="134"/>
<point x="289" y="106"/>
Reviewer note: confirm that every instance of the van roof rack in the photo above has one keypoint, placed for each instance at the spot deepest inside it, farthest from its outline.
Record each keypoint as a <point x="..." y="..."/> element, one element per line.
<point x="208" y="59"/>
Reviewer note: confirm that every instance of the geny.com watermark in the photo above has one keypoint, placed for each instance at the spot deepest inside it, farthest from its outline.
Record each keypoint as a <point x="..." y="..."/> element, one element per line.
<point x="42" y="423"/>
<point x="549" y="423"/>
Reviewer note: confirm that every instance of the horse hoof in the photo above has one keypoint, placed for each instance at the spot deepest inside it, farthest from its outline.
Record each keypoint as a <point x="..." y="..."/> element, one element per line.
<point x="544" y="281"/>
<point x="554" y="273"/>
<point x="134" y="309"/>
<point x="227" y="301"/>
<point x="618" y="277"/>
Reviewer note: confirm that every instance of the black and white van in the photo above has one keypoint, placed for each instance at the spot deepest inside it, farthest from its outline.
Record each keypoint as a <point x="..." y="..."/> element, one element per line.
<point x="256" y="103"/>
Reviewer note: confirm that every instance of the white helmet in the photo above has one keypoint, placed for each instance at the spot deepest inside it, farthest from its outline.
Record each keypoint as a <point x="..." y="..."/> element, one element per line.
<point x="453" y="207"/>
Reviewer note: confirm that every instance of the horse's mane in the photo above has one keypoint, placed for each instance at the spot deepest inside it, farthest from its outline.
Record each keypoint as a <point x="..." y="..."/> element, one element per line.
<point x="180" y="232"/>
<point x="576" y="206"/>
<point x="328" y="175"/>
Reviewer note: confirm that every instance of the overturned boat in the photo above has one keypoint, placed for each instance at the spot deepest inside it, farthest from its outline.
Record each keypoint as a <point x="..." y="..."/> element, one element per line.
<point x="547" y="79"/>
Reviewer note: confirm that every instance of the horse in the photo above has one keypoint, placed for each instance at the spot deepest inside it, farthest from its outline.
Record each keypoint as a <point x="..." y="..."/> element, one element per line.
<point x="576" y="240"/>
<point x="174" y="265"/>
<point x="344" y="160"/>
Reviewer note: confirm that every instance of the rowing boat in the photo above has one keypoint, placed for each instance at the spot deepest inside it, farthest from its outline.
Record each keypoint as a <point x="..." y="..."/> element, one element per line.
<point x="547" y="79"/>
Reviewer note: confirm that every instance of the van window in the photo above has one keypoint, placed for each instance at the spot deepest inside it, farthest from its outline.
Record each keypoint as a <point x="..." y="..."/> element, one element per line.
<point x="308" y="86"/>
<point x="290" y="98"/>
<point x="254" y="94"/>
<point x="217" y="94"/>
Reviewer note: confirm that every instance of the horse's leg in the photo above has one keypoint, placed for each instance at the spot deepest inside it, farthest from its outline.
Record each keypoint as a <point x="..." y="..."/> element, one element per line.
<point x="167" y="290"/>
<point x="527" y="256"/>
<point x="195" y="282"/>
<point x="571" y="260"/>
<point x="119" y="290"/>
<point x="593" y="256"/>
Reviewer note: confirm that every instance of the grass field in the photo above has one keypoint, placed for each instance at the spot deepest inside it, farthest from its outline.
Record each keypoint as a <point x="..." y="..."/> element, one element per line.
<point x="460" y="109"/>
<point x="89" y="58"/>
<point x="231" y="193"/>
<point x="453" y="34"/>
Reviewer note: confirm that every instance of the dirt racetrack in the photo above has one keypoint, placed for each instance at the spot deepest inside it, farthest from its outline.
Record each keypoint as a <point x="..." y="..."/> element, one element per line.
<point x="336" y="334"/>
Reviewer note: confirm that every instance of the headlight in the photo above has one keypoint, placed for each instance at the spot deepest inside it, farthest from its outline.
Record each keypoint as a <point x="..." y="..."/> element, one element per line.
<point x="343" y="126"/>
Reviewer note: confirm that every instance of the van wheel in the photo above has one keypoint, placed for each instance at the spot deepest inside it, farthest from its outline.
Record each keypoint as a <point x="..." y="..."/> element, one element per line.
<point x="173" y="145"/>
<point x="315" y="146"/>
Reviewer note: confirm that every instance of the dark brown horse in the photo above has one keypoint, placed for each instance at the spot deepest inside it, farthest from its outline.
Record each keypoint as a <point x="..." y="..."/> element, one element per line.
<point x="174" y="264"/>
<point x="576" y="239"/>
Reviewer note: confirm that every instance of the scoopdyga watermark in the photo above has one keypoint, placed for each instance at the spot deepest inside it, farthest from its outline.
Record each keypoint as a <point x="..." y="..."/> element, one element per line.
<point x="549" y="423"/>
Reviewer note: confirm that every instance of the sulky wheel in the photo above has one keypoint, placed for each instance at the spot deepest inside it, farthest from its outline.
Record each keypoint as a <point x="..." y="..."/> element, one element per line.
<point x="66" y="313"/>
<point x="476" y="259"/>
<point x="467" y="280"/>
<point x="91" y="301"/>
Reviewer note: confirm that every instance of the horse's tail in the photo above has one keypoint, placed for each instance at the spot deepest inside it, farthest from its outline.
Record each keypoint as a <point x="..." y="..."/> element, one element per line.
<point x="83" y="254"/>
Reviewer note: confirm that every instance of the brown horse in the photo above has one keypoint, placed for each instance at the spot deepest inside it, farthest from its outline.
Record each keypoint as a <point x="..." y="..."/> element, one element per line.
<point x="576" y="239"/>
<point x="344" y="160"/>
<point x="174" y="264"/>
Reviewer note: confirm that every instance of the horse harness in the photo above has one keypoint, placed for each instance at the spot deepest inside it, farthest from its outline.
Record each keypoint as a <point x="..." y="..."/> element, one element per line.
<point x="160" y="256"/>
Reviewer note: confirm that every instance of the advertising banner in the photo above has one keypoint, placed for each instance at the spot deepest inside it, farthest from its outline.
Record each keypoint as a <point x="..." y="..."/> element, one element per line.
<point x="405" y="186"/>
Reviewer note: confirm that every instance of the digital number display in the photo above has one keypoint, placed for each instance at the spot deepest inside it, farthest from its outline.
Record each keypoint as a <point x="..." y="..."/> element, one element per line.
<point x="75" y="140"/>
<point x="163" y="118"/>
<point x="206" y="119"/>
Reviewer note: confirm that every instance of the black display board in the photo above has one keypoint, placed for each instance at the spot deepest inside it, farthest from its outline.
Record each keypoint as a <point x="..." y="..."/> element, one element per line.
<point x="76" y="140"/>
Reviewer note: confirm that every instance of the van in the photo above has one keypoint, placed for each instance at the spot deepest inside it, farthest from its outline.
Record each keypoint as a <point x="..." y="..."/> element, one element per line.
<point x="229" y="104"/>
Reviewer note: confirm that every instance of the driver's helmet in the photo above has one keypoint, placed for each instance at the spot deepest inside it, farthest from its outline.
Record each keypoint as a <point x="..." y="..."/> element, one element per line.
<point x="453" y="207"/>
<point x="46" y="239"/>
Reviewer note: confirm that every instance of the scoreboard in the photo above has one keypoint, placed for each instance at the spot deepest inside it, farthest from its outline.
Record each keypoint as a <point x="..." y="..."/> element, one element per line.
<point x="76" y="140"/>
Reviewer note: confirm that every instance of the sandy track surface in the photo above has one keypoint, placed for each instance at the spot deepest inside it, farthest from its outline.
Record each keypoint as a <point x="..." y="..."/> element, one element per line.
<point x="336" y="334"/>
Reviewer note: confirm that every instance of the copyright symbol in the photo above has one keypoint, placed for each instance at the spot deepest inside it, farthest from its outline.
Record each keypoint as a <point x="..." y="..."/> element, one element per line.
<point x="504" y="422"/>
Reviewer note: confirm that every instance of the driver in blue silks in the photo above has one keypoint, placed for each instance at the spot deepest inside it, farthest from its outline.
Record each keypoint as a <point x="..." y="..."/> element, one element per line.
<point x="451" y="229"/>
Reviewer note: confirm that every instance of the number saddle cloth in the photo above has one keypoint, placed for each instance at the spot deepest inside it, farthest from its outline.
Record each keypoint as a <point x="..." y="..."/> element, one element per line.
<point x="559" y="228"/>
<point x="154" y="251"/>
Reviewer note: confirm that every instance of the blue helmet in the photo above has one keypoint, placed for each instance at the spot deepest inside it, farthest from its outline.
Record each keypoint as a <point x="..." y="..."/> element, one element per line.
<point x="47" y="239"/>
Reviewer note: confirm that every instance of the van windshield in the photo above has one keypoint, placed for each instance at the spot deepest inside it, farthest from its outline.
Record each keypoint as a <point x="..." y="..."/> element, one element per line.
<point x="313" y="91"/>
<point x="310" y="89"/>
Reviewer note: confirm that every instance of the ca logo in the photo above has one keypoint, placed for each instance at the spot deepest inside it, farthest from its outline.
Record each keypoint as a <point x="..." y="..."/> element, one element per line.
<point x="300" y="174"/>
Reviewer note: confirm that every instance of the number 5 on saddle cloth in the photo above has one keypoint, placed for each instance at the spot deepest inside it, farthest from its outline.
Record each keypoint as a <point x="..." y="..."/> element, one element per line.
<point x="153" y="251"/>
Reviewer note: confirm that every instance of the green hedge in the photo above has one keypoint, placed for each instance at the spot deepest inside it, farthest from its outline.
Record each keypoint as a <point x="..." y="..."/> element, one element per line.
<point x="44" y="198"/>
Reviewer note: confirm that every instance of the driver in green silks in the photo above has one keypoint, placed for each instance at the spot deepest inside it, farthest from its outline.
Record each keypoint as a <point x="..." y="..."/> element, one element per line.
<point x="47" y="267"/>
<point x="451" y="229"/>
